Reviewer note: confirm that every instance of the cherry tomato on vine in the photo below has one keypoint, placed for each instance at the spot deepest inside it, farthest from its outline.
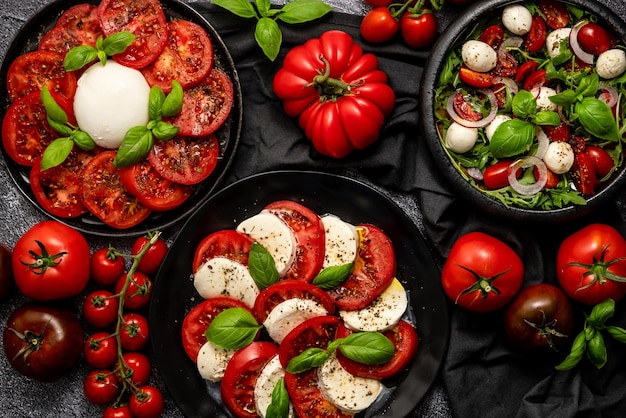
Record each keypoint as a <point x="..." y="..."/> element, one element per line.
<point x="138" y="290"/>
<point x="101" y="350"/>
<point x="146" y="402"/>
<point x="101" y="387"/>
<point x="106" y="266"/>
<point x="134" y="331"/>
<point x="100" y="308"/>
<point x="379" y="25"/>
<point x="137" y="368"/>
<point x="114" y="411"/>
<point x="152" y="259"/>
<point x="419" y="30"/>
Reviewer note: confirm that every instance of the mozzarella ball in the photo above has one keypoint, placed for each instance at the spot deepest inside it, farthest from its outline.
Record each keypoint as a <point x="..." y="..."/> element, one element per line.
<point x="554" y="39"/>
<point x="559" y="157"/>
<point x="493" y="125"/>
<point x="517" y="19"/>
<point x="460" y="139"/>
<point x="543" y="99"/>
<point x="611" y="63"/>
<point x="479" y="56"/>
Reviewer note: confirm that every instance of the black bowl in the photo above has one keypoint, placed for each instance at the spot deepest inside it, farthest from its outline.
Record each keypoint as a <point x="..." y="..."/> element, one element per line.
<point x="456" y="32"/>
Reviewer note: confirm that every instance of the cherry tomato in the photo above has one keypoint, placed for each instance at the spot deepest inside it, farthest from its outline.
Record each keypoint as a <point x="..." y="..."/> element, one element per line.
<point x="42" y="342"/>
<point x="419" y="31"/>
<point x="146" y="402"/>
<point x="560" y="132"/>
<point x="540" y="316"/>
<point x="535" y="39"/>
<point x="226" y="243"/>
<point x="136" y="367"/>
<point x="138" y="290"/>
<point x="496" y="176"/>
<point x="465" y="109"/>
<point x="106" y="266"/>
<point x="115" y="411"/>
<point x="590" y="262"/>
<point x="507" y="64"/>
<point x="535" y="79"/>
<point x="474" y="78"/>
<point x="492" y="35"/>
<point x="583" y="173"/>
<point x="6" y="272"/>
<point x="602" y="161"/>
<point x="378" y="25"/>
<point x="78" y="25"/>
<point x="152" y="259"/>
<point x="51" y="261"/>
<point x="552" y="180"/>
<point x="555" y="12"/>
<point x="524" y="70"/>
<point x="101" y="350"/>
<point x="100" y="308"/>
<point x="481" y="272"/>
<point x="101" y="387"/>
<point x="594" y="39"/>
<point x="134" y="331"/>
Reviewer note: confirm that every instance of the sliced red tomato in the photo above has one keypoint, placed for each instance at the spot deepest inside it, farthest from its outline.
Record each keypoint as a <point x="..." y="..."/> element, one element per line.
<point x="225" y="243"/>
<point x="405" y="340"/>
<point x="307" y="398"/>
<point x="198" y="320"/>
<point x="536" y="36"/>
<point x="315" y="332"/>
<point x="464" y="108"/>
<point x="240" y="376"/>
<point x="185" y="160"/>
<point x="310" y="237"/>
<point x="555" y="12"/>
<point x="474" y="78"/>
<point x="535" y="79"/>
<point x="187" y="57"/>
<point x="143" y="18"/>
<point x="507" y="64"/>
<point x="78" y="25"/>
<point x="524" y="70"/>
<point x="289" y="289"/>
<point x="206" y="106"/>
<point x="106" y="197"/>
<point x="151" y="189"/>
<point x="584" y="174"/>
<point x="492" y="35"/>
<point x="374" y="269"/>
<point x="30" y="71"/>
<point x="560" y="132"/>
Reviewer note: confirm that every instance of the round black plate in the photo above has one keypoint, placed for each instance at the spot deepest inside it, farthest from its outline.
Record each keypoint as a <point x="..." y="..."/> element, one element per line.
<point x="228" y="136"/>
<point x="174" y="295"/>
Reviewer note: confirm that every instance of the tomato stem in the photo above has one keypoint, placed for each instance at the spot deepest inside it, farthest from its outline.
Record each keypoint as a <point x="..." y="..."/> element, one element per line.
<point x="483" y="284"/>
<point x="43" y="260"/>
<point x="330" y="89"/>
<point x="547" y="330"/>
<point x="599" y="268"/>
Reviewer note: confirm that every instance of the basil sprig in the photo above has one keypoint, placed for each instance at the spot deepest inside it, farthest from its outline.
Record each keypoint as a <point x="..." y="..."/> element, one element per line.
<point x="267" y="33"/>
<point x="60" y="148"/>
<point x="262" y="266"/>
<point x="81" y="55"/>
<point x="232" y="328"/>
<point x="279" y="407"/>
<point x="333" y="276"/>
<point x="371" y="348"/>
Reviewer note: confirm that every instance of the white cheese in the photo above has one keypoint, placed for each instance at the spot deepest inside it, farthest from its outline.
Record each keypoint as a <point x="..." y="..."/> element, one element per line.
<point x="341" y="243"/>
<point x="543" y="99"/>
<point x="290" y="313"/>
<point x="611" y="63"/>
<point x="479" y="56"/>
<point x="221" y="276"/>
<point x="264" y="386"/>
<point x="559" y="157"/>
<point x="212" y="361"/>
<point x="555" y="39"/>
<point x="460" y="138"/>
<point x="517" y="19"/>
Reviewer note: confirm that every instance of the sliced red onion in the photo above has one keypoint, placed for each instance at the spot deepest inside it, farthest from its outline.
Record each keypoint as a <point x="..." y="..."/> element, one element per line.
<point x="512" y="42"/>
<point x="507" y="81"/>
<point x="611" y="93"/>
<point x="543" y="142"/>
<point x="528" y="189"/>
<point x="585" y="57"/>
<point x="474" y="124"/>
<point x="475" y="173"/>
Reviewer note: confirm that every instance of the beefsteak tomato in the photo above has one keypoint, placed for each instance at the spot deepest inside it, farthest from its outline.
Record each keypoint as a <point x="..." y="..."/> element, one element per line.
<point x="339" y="94"/>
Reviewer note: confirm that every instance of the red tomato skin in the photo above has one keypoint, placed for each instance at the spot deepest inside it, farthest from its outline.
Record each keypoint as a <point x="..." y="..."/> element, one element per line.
<point x="101" y="387"/>
<point x="318" y="331"/>
<point x="6" y="272"/>
<point x="419" y="32"/>
<point x="474" y="78"/>
<point x="185" y="160"/>
<point x="100" y="350"/>
<point x="134" y="331"/>
<point x="536" y="37"/>
<point x="78" y="25"/>
<point x="105" y="267"/>
<point x="594" y="242"/>
<point x="146" y="402"/>
<point x="560" y="132"/>
<point x="492" y="35"/>
<point x="100" y="309"/>
<point x="524" y="70"/>
<point x="555" y="12"/>
<point x="496" y="176"/>
<point x="583" y="173"/>
<point x="67" y="278"/>
<point x="535" y="79"/>
<point x="152" y="259"/>
<point x="379" y="3"/>
<point x="117" y="412"/>
<point x="227" y="243"/>
<point x="602" y="161"/>
<point x="137" y="366"/>
<point x="594" y="39"/>
<point x="378" y="25"/>
<point x="488" y="257"/>
<point x="138" y="291"/>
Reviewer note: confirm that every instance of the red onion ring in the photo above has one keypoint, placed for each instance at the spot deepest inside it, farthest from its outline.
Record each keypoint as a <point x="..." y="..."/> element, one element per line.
<point x="508" y="82"/>
<point x="611" y="93"/>
<point x="543" y="141"/>
<point x="585" y="57"/>
<point x="475" y="173"/>
<point x="525" y="162"/>
<point x="474" y="124"/>
<point x="512" y="41"/>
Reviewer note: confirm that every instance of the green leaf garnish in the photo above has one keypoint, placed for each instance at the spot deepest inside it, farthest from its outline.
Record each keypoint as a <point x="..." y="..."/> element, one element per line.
<point x="233" y="328"/>
<point x="262" y="266"/>
<point x="333" y="276"/>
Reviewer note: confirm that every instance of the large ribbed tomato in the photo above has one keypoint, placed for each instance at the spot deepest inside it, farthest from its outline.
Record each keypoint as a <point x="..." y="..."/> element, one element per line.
<point x="339" y="94"/>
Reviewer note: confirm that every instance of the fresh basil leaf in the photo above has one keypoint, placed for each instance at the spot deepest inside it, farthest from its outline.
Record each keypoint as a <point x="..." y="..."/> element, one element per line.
<point x="565" y="98"/>
<point x="262" y="266"/>
<point x="268" y="36"/>
<point x="597" y="118"/>
<point x="242" y="8"/>
<point x="511" y="138"/>
<point x="83" y="140"/>
<point x="59" y="127"/>
<point x="524" y="104"/>
<point x="596" y="350"/>
<point x="308" y="359"/>
<point x="79" y="56"/>
<point x="576" y="354"/>
<point x="300" y="11"/>
<point x="333" y="276"/>
<point x="367" y="348"/>
<point x="173" y="103"/>
<point x="263" y="6"/>
<point x="601" y="313"/>
<point x="56" y="153"/>
<point x="164" y="131"/>
<point x="54" y="112"/>
<point x="588" y="86"/>
<point x="232" y="328"/>
<point x="136" y="144"/>
<point x="116" y="43"/>
<point x="279" y="407"/>
<point x="155" y="102"/>
<point x="565" y="54"/>
<point x="617" y="333"/>
<point x="546" y="118"/>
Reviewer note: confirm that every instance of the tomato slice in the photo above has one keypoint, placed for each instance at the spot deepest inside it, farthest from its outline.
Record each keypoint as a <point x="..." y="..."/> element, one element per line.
<point x="240" y="376"/>
<point x="143" y="18"/>
<point x="492" y="35"/>
<point x="198" y="320"/>
<point x="555" y="12"/>
<point x="227" y="243"/>
<point x="374" y="269"/>
<point x="536" y="36"/>
<point x="152" y="189"/>
<point x="206" y="106"/>
<point x="310" y="237"/>
<point x="405" y="340"/>
<point x="106" y="197"/>
<point x="78" y="25"/>
<point x="30" y="71"/>
<point x="474" y="78"/>
<point x="584" y="174"/>
<point x="535" y="79"/>
<point x="465" y="109"/>
<point x="315" y="332"/>
<point x="185" y="160"/>
<point x="289" y="289"/>
<point x="187" y="57"/>
<point x="524" y="70"/>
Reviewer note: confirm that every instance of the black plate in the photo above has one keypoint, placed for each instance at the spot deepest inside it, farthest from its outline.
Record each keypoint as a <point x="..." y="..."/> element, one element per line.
<point x="28" y="38"/>
<point x="174" y="294"/>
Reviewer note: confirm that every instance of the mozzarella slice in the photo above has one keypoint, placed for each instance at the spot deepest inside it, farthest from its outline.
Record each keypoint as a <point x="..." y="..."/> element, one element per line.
<point x="347" y="392"/>
<point x="264" y="386"/>
<point x="341" y="243"/>
<point x="274" y="235"/>
<point x="221" y="276"/>
<point x="383" y="313"/>
<point x="212" y="361"/>
<point x="289" y="314"/>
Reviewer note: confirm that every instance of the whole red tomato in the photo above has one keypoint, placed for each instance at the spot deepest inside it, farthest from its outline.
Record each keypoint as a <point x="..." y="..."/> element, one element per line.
<point x="135" y="367"/>
<point x="481" y="273"/>
<point x="152" y="259"/>
<point x="101" y="350"/>
<point x="591" y="264"/>
<point x="137" y="292"/>
<point x="6" y="271"/>
<point x="101" y="387"/>
<point x="43" y="342"/>
<point x="114" y="411"/>
<point x="106" y="266"/>
<point x="540" y="316"/>
<point x="134" y="331"/>
<point x="51" y="261"/>
<point x="146" y="402"/>
<point x="419" y="30"/>
<point x="339" y="93"/>
<point x="100" y="308"/>
<point x="379" y="25"/>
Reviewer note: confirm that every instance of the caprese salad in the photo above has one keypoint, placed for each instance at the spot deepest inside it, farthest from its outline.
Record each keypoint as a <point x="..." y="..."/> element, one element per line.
<point x="116" y="111"/>
<point x="302" y="314"/>
<point x="530" y="107"/>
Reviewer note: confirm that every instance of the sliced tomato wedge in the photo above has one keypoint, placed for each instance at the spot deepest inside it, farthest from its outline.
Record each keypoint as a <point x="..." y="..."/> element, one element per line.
<point x="374" y="269"/>
<point x="555" y="12"/>
<point x="78" y="25"/>
<point x="283" y="290"/>
<point x="30" y="71"/>
<point x="315" y="332"/>
<point x="492" y="35"/>
<point x="185" y="160"/>
<point x="227" y="243"/>
<point x="152" y="189"/>
<point x="106" y="197"/>
<point x="187" y="57"/>
<point x="143" y="18"/>
<point x="536" y="37"/>
<point x="310" y="238"/>
<point x="474" y="78"/>
<point x="206" y="106"/>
